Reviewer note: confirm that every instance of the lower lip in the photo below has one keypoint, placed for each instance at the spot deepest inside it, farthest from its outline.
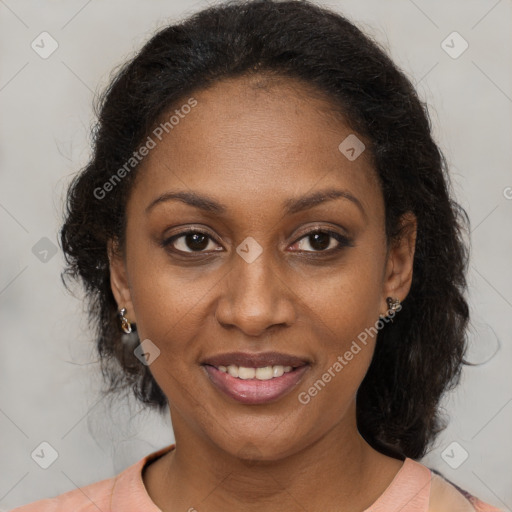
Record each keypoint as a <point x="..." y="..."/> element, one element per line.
<point x="254" y="391"/>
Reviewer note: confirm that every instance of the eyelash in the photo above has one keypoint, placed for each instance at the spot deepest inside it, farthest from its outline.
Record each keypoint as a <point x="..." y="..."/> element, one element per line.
<point x="342" y="240"/>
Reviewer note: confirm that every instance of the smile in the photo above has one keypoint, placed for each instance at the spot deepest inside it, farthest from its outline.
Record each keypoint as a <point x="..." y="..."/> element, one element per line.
<point x="255" y="385"/>
<point x="263" y="373"/>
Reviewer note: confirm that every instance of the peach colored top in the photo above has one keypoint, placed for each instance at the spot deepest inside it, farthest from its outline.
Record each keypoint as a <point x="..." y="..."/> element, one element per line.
<point x="415" y="488"/>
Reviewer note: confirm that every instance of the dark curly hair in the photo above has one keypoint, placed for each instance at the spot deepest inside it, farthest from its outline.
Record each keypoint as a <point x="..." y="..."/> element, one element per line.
<point x="420" y="354"/>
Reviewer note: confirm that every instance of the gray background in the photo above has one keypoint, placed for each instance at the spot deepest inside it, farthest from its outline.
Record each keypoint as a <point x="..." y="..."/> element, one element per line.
<point x="48" y="371"/>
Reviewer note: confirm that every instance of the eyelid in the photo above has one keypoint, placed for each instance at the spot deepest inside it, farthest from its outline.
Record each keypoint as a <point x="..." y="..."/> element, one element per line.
<point x="342" y="239"/>
<point x="323" y="228"/>
<point x="167" y="241"/>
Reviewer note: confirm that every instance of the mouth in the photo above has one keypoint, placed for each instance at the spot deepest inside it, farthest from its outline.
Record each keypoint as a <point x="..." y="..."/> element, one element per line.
<point x="255" y="378"/>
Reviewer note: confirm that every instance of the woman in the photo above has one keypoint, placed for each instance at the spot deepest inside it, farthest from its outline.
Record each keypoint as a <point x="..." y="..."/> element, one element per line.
<point x="269" y="245"/>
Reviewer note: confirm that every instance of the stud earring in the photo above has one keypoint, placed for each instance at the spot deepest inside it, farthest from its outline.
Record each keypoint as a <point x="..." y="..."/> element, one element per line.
<point x="125" y="323"/>
<point x="394" y="305"/>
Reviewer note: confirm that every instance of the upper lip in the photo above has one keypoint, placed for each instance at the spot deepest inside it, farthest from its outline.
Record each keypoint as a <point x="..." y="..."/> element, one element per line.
<point x="259" y="360"/>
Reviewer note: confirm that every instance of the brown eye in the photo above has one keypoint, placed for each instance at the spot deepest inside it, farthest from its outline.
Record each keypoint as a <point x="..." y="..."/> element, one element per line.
<point x="322" y="241"/>
<point x="190" y="241"/>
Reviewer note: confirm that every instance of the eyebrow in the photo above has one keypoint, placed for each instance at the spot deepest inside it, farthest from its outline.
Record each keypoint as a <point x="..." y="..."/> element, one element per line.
<point x="291" y="206"/>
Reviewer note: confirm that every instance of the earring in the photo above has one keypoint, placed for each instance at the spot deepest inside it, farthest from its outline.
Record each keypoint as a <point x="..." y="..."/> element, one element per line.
<point x="125" y="323"/>
<point x="394" y="305"/>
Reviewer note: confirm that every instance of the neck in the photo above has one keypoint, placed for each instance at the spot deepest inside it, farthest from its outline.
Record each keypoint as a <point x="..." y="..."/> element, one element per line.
<point x="339" y="470"/>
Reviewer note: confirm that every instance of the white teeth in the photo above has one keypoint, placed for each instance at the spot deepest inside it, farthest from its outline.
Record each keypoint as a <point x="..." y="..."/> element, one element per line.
<point x="264" y="373"/>
<point x="277" y="371"/>
<point x="246" y="373"/>
<point x="232" y="370"/>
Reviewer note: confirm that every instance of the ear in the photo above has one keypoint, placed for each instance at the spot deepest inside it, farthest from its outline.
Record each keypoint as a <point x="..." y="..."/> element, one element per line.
<point x="398" y="274"/>
<point x="119" y="279"/>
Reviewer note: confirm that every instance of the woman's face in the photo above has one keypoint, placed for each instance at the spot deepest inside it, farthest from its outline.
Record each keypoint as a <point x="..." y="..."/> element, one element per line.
<point x="252" y="280"/>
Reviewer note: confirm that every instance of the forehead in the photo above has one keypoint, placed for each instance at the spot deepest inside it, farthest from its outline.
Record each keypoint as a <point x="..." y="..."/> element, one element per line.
<point x="253" y="138"/>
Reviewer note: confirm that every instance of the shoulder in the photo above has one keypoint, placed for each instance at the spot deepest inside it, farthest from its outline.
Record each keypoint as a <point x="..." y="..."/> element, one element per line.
<point x="448" y="497"/>
<point x="91" y="498"/>
<point x="125" y="492"/>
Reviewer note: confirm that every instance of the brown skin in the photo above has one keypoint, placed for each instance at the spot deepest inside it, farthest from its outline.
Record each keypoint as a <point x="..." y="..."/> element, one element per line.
<point x="251" y="149"/>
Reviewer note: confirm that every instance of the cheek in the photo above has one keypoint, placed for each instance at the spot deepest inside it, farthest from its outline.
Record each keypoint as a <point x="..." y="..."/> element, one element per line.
<point x="344" y="312"/>
<point x="344" y="341"/>
<point x="165" y="297"/>
<point x="345" y="301"/>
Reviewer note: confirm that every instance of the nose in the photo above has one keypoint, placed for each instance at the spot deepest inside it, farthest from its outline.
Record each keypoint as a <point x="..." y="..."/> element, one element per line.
<point x="255" y="297"/>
